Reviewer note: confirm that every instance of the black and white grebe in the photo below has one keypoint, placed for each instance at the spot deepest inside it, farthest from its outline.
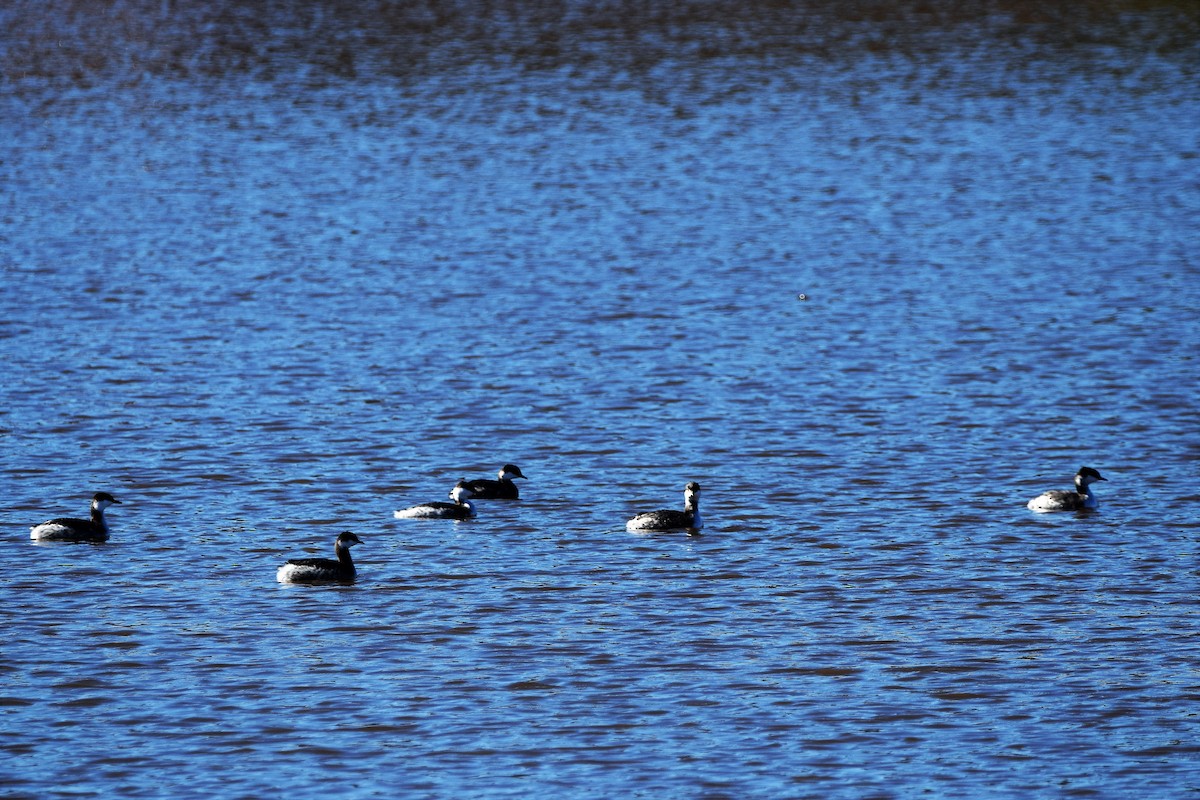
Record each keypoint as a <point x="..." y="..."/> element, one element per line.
<point x="65" y="529"/>
<point x="502" y="489"/>
<point x="322" y="570"/>
<point x="461" y="508"/>
<point x="668" y="520"/>
<point x="1078" y="500"/>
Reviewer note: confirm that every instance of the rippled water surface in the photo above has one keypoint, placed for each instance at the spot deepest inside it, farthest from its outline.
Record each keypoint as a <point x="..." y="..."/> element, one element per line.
<point x="872" y="275"/>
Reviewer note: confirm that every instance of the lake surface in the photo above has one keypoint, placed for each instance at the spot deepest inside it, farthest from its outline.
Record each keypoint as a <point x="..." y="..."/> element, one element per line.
<point x="873" y="276"/>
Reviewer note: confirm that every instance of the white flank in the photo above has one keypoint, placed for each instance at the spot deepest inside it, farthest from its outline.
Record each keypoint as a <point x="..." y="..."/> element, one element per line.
<point x="302" y="573"/>
<point x="416" y="512"/>
<point x="638" y="523"/>
<point x="49" y="531"/>
<point x="1057" y="501"/>
<point x="287" y="573"/>
<point x="1042" y="503"/>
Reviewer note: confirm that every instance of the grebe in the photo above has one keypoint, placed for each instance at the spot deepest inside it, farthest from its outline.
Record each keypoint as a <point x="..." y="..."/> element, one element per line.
<point x="78" y="530"/>
<point x="1081" y="498"/>
<point x="502" y="489"/>
<point x="461" y="508"/>
<point x="320" y="570"/>
<point x="670" y="520"/>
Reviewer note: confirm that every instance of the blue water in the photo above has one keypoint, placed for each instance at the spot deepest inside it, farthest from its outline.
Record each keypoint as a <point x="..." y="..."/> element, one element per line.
<point x="873" y="276"/>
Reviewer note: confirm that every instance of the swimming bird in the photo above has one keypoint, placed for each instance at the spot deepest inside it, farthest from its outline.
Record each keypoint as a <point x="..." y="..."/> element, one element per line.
<point x="667" y="520"/>
<point x="65" y="529"/>
<point x="502" y="489"/>
<point x="1081" y="498"/>
<point x="322" y="570"/>
<point x="461" y="508"/>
